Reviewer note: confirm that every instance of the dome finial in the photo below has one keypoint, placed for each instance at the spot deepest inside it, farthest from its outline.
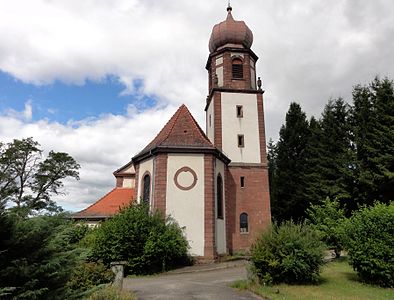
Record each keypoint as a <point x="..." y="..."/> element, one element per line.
<point x="229" y="8"/>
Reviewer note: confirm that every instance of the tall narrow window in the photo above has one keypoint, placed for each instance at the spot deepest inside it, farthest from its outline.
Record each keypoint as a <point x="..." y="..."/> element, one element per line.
<point x="243" y="223"/>
<point x="240" y="111"/>
<point x="219" y="197"/>
<point x="237" y="68"/>
<point x="242" y="181"/>
<point x="146" y="188"/>
<point x="241" y="141"/>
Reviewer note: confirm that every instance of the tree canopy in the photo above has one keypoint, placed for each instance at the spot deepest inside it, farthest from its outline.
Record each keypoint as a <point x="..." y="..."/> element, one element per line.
<point x="347" y="154"/>
<point x="28" y="180"/>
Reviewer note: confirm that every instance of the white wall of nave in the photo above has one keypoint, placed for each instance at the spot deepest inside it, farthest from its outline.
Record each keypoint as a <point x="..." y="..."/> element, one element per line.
<point x="187" y="206"/>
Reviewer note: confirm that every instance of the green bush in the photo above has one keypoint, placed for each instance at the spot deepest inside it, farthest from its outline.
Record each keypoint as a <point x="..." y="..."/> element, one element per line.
<point x="329" y="220"/>
<point x="148" y="241"/>
<point x="370" y="244"/>
<point x="89" y="274"/>
<point x="37" y="258"/>
<point x="289" y="253"/>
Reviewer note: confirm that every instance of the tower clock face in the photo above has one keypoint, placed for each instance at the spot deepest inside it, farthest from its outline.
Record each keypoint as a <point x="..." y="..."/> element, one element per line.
<point x="185" y="178"/>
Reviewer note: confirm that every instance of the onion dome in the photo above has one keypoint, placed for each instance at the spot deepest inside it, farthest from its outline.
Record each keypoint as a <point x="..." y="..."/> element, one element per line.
<point x="230" y="32"/>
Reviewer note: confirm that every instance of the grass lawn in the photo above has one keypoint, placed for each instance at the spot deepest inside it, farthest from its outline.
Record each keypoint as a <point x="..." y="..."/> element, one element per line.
<point x="338" y="281"/>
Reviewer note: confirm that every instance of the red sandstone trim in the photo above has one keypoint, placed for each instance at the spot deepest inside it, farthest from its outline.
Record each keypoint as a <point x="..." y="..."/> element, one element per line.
<point x="160" y="186"/>
<point x="209" y="208"/>
<point x="217" y="120"/>
<point x="189" y="170"/>
<point x="260" y="113"/>
<point x="137" y="171"/>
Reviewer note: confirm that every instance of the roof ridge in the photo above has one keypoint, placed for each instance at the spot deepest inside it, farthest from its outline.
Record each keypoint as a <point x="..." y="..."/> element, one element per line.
<point x="200" y="131"/>
<point x="176" y="116"/>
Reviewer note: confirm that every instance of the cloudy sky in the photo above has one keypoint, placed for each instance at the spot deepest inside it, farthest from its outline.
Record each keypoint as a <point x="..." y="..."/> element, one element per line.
<point x="99" y="78"/>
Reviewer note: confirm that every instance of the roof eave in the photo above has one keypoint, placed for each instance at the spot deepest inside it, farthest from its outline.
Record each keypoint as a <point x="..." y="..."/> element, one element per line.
<point x="181" y="149"/>
<point x="98" y="217"/>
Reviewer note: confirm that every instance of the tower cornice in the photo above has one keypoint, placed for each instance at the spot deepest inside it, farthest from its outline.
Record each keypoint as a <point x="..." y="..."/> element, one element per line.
<point x="229" y="90"/>
<point x="230" y="49"/>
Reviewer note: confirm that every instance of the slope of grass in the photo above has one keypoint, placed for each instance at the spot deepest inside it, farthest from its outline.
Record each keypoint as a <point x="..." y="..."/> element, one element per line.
<point x="338" y="281"/>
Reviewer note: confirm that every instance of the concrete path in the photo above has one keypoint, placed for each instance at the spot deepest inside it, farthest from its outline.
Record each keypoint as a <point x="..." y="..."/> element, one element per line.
<point x="199" y="282"/>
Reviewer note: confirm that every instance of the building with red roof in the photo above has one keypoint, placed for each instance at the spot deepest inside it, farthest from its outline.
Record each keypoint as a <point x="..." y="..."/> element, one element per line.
<point x="214" y="183"/>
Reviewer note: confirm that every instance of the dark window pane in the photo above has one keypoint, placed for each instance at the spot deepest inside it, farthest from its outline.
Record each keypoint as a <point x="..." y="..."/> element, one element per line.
<point x="219" y="197"/>
<point x="243" y="222"/>
<point x="146" y="190"/>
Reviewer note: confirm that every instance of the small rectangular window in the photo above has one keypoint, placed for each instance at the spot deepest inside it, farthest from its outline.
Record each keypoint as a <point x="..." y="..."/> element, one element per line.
<point x="240" y="111"/>
<point x="242" y="181"/>
<point x="241" y="141"/>
<point x="210" y="121"/>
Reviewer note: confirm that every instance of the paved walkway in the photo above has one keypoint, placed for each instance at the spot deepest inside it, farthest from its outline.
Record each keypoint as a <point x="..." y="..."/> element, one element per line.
<point x="196" y="282"/>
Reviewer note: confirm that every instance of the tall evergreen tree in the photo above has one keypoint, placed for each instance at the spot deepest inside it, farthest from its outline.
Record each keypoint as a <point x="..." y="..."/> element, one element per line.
<point x="373" y="123"/>
<point x="337" y="153"/>
<point x="289" y="199"/>
<point x="272" y="168"/>
<point x="313" y="164"/>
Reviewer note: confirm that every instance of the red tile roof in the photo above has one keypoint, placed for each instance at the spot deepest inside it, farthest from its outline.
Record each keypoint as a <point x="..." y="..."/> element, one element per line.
<point x="108" y="205"/>
<point x="181" y="130"/>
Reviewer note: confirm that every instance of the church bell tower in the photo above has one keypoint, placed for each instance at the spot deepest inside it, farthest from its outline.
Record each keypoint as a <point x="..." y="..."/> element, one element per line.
<point x="235" y="125"/>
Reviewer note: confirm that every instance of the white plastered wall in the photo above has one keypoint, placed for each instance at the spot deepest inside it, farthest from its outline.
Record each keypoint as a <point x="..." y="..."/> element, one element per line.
<point x="187" y="207"/>
<point x="128" y="182"/>
<point x="219" y="73"/>
<point x="210" y="122"/>
<point x="145" y="166"/>
<point x="130" y="169"/>
<point x="248" y="125"/>
<point x="220" y="232"/>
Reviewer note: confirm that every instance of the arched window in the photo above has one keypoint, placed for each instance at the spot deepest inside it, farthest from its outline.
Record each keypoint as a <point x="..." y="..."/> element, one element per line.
<point x="238" y="71"/>
<point x="146" y="188"/>
<point x="243" y="223"/>
<point x="219" y="197"/>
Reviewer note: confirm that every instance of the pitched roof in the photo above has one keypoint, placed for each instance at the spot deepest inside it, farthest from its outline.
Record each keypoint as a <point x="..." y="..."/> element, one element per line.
<point x="127" y="169"/>
<point x="108" y="205"/>
<point x="181" y="130"/>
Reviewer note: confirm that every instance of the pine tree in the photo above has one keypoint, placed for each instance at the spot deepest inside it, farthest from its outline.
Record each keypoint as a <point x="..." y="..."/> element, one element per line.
<point x="328" y="156"/>
<point x="313" y="165"/>
<point x="373" y="123"/>
<point x="289" y="201"/>
<point x="272" y="168"/>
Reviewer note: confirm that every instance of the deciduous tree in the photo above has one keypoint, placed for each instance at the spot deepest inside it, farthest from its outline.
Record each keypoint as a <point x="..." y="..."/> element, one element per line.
<point x="29" y="180"/>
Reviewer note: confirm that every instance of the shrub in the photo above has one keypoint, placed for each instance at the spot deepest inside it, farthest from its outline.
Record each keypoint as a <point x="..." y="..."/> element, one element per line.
<point x="370" y="244"/>
<point x="329" y="220"/>
<point x="289" y="253"/>
<point x="37" y="258"/>
<point x="89" y="274"/>
<point x="148" y="241"/>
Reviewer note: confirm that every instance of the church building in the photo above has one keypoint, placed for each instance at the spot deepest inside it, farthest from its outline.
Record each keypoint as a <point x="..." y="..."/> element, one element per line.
<point x="214" y="183"/>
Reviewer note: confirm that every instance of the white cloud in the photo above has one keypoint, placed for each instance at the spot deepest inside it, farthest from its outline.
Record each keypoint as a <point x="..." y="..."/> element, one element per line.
<point x="309" y="51"/>
<point x="100" y="147"/>
<point x="25" y="115"/>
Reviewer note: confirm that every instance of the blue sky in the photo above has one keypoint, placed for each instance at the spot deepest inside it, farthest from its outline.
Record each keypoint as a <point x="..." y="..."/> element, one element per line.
<point x="99" y="79"/>
<point x="63" y="102"/>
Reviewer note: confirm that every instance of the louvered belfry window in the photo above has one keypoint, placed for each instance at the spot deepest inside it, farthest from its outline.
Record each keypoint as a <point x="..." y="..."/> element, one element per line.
<point x="238" y="72"/>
